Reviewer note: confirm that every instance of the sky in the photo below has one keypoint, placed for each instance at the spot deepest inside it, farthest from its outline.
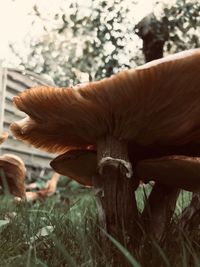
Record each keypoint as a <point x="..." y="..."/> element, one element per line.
<point x="15" y="19"/>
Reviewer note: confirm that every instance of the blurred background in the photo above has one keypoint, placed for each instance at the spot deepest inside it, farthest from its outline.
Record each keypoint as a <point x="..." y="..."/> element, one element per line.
<point x="65" y="42"/>
<point x="74" y="41"/>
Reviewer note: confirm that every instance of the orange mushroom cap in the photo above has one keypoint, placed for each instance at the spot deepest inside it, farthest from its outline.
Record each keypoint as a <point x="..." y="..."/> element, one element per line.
<point x="155" y="104"/>
<point x="179" y="171"/>
<point x="79" y="165"/>
<point x="3" y="137"/>
<point x="14" y="171"/>
<point x="48" y="191"/>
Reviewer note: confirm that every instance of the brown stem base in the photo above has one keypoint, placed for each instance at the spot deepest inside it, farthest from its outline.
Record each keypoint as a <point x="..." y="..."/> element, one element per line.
<point x="118" y="211"/>
<point x="159" y="210"/>
<point x="190" y="215"/>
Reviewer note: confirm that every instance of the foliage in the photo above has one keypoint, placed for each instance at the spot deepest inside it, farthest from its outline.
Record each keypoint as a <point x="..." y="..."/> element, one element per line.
<point x="183" y="20"/>
<point x="177" y="26"/>
<point x="84" y="42"/>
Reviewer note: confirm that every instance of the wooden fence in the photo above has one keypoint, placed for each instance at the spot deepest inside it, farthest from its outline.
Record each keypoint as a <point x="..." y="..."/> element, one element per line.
<point x="12" y="82"/>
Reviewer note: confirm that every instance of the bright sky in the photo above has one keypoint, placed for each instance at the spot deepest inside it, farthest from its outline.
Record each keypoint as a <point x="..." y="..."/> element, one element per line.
<point x="15" y="19"/>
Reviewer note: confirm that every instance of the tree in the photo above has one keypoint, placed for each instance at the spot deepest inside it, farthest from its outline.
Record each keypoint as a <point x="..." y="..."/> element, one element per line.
<point x="183" y="22"/>
<point x="86" y="43"/>
<point x="82" y="43"/>
<point x="173" y="29"/>
<point x="154" y="33"/>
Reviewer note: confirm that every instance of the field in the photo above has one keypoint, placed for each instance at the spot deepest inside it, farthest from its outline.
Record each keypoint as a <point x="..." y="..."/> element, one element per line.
<point x="63" y="231"/>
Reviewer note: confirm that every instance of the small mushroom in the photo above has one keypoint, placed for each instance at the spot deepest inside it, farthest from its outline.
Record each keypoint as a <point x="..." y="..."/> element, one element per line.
<point x="79" y="165"/>
<point x="50" y="187"/>
<point x="32" y="196"/>
<point x="12" y="174"/>
<point x="3" y="137"/>
<point x="49" y="190"/>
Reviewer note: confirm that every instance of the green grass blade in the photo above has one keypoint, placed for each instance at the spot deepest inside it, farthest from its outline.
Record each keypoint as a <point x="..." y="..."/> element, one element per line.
<point x="28" y="262"/>
<point x="123" y="250"/>
<point x="67" y="256"/>
<point x="162" y="254"/>
<point x="184" y="254"/>
<point x="41" y="263"/>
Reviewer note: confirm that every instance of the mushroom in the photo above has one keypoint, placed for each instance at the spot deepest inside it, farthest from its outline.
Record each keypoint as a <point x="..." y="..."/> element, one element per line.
<point x="152" y="106"/>
<point x="3" y="137"/>
<point x="170" y="174"/>
<point x="79" y="165"/>
<point x="12" y="174"/>
<point x="50" y="187"/>
<point x="49" y="190"/>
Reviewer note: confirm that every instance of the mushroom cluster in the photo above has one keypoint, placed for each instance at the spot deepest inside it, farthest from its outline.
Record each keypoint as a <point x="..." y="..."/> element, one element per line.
<point x="12" y="178"/>
<point x="144" y="122"/>
<point x="154" y="108"/>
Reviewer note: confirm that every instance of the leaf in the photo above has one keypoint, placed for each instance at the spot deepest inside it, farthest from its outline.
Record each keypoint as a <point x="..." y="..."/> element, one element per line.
<point x="4" y="222"/>
<point x="44" y="231"/>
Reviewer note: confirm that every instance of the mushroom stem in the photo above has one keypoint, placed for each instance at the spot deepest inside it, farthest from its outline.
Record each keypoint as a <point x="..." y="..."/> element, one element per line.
<point x="159" y="210"/>
<point x="111" y="151"/>
<point x="118" y="213"/>
<point x="187" y="219"/>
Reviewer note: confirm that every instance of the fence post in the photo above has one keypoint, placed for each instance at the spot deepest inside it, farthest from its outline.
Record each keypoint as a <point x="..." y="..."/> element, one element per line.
<point x="3" y="81"/>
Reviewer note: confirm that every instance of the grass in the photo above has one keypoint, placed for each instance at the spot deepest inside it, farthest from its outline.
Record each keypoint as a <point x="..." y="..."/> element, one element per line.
<point x="54" y="234"/>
